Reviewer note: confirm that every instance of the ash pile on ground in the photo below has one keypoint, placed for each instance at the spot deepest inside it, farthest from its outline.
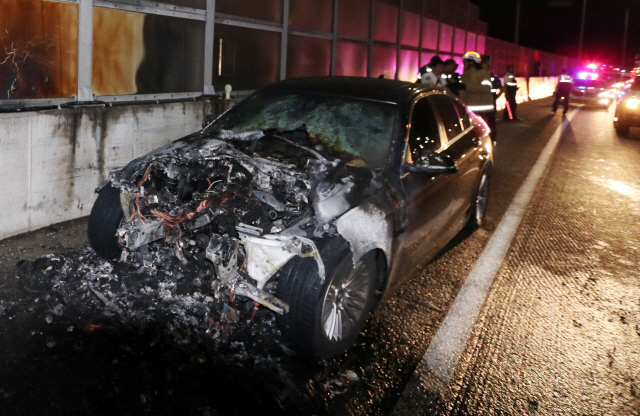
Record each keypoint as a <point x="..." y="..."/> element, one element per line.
<point x="89" y="336"/>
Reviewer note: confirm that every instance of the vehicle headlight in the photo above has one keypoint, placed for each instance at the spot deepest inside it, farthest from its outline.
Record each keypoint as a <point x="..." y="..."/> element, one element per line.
<point x="632" y="104"/>
<point x="604" y="94"/>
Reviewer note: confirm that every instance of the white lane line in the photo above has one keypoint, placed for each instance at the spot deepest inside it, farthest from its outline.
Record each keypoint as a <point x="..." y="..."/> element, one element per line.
<point x="444" y="351"/>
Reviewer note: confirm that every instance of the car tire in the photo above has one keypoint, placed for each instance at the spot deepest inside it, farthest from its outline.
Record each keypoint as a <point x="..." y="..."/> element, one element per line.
<point x="621" y="128"/>
<point x="479" y="206"/>
<point x="105" y="218"/>
<point x="325" y="318"/>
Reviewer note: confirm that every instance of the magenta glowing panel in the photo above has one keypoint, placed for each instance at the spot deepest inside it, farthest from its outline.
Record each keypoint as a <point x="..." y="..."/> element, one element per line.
<point x="430" y="34"/>
<point x="351" y="59"/>
<point x="383" y="62"/>
<point x="446" y="38"/>
<point x="386" y="22"/>
<point x="459" y="40"/>
<point x="410" y="28"/>
<point x="408" y="65"/>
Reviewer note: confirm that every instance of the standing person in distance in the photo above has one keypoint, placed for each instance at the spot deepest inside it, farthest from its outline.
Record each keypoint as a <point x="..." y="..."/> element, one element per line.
<point x="451" y="77"/>
<point x="477" y="94"/>
<point x="511" y="88"/>
<point x="496" y="91"/>
<point x="430" y="74"/>
<point x="563" y="90"/>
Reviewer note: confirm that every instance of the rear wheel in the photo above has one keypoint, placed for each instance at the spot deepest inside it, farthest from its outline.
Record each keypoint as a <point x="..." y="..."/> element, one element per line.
<point x="104" y="220"/>
<point x="479" y="206"/>
<point x="325" y="318"/>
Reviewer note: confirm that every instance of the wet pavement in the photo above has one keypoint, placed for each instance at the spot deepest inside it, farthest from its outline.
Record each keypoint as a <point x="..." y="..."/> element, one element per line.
<point x="558" y="334"/>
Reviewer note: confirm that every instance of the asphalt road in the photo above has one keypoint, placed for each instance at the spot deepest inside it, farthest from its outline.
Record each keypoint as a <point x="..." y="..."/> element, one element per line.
<point x="558" y="333"/>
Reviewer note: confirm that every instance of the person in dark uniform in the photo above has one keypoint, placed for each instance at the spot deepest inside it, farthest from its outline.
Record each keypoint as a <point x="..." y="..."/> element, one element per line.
<point x="563" y="90"/>
<point x="511" y="88"/>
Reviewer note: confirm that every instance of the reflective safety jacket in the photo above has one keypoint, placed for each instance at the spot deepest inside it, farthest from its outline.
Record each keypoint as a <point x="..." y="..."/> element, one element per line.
<point x="510" y="80"/>
<point x="565" y="83"/>
<point x="477" y="95"/>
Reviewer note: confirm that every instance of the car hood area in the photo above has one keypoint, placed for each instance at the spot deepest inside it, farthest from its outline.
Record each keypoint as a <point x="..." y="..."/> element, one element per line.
<point x="239" y="207"/>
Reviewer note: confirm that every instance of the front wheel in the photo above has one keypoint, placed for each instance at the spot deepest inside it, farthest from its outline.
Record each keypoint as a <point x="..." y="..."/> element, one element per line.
<point x="104" y="220"/>
<point x="479" y="205"/>
<point x="325" y="318"/>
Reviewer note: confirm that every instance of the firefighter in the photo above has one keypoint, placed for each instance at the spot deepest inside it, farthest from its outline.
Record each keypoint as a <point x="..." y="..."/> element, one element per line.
<point x="477" y="94"/>
<point x="563" y="90"/>
<point x="496" y="91"/>
<point x="511" y="88"/>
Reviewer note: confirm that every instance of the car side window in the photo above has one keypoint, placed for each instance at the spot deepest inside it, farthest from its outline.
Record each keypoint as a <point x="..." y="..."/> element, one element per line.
<point x="449" y="114"/>
<point x="464" y="116"/>
<point x="424" y="134"/>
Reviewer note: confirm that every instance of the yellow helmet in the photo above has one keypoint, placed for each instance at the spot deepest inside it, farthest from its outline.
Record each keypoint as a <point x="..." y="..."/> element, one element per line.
<point x="472" y="56"/>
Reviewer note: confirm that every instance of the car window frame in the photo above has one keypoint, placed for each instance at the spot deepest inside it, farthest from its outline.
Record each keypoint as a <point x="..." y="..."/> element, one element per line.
<point x="409" y="122"/>
<point x="463" y="133"/>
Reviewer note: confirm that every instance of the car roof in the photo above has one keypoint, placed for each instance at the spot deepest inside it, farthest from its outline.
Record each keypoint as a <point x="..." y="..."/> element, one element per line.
<point x="377" y="89"/>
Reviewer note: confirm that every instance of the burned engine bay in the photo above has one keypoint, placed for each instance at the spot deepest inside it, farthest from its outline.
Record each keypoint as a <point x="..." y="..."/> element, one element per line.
<point x="238" y="206"/>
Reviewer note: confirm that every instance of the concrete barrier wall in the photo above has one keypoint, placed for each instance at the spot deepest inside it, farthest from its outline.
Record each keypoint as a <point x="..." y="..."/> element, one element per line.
<point x="532" y="88"/>
<point x="52" y="161"/>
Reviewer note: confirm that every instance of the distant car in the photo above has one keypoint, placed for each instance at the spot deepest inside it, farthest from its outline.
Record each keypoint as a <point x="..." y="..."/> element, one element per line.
<point x="312" y="197"/>
<point x="592" y="92"/>
<point x="628" y="109"/>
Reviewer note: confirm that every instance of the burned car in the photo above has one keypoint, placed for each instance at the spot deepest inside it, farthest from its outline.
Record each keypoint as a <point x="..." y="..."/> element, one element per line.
<point x="313" y="197"/>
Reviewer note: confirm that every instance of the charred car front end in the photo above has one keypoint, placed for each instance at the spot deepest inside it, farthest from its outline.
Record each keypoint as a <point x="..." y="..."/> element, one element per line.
<point x="293" y="199"/>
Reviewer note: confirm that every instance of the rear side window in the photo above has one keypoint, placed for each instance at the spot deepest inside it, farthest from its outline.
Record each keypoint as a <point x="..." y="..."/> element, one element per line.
<point x="447" y="109"/>
<point x="424" y="134"/>
<point x="464" y="116"/>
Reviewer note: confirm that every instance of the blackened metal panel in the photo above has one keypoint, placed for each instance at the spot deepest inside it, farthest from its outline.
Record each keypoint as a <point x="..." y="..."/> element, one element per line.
<point x="383" y="62"/>
<point x="173" y="55"/>
<point x="38" y="49"/>
<point x="446" y="38"/>
<point x="311" y="14"/>
<point x="353" y="18"/>
<point x="430" y="30"/>
<point x="352" y="59"/>
<point x="245" y="58"/>
<point x="268" y="10"/>
<point x="410" y="28"/>
<point x="308" y="56"/>
<point x="459" y="41"/>
<point x="386" y="22"/>
<point x="408" y="65"/>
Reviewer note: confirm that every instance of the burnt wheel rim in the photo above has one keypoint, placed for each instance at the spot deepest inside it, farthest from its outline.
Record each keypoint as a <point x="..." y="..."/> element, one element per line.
<point x="345" y="302"/>
<point x="482" y="197"/>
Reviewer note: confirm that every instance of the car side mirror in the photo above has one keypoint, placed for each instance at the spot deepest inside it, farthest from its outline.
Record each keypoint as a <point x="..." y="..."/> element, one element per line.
<point x="434" y="164"/>
<point x="208" y="119"/>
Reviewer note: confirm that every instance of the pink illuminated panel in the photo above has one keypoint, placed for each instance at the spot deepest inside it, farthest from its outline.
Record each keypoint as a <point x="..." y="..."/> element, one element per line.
<point x="408" y="65"/>
<point x="351" y="59"/>
<point x="480" y="44"/>
<point x="471" y="42"/>
<point x="446" y="38"/>
<point x="308" y="56"/>
<point x="430" y="34"/>
<point x="311" y="14"/>
<point x="353" y="18"/>
<point x="386" y="22"/>
<point x="458" y="60"/>
<point x="410" y="28"/>
<point x="459" y="41"/>
<point x="383" y="62"/>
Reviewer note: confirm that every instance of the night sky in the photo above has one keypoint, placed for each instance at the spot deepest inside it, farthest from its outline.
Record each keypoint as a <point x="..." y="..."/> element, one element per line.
<point x="557" y="29"/>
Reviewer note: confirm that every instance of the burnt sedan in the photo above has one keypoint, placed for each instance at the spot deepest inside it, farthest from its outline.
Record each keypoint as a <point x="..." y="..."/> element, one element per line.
<point x="313" y="197"/>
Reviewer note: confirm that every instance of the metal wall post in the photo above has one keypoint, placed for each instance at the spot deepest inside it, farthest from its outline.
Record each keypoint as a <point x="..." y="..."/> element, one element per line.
<point x="284" y="42"/>
<point x="208" y="47"/>
<point x="85" y="50"/>
<point x="334" y="41"/>
<point x="399" y="37"/>
<point x="372" y="22"/>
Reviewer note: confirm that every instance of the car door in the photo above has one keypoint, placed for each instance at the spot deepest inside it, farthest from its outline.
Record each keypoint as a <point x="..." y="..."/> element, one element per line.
<point x="463" y="146"/>
<point x="426" y="208"/>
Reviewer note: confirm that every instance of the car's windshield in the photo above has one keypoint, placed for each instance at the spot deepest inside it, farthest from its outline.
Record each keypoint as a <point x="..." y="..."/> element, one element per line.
<point x="332" y="125"/>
